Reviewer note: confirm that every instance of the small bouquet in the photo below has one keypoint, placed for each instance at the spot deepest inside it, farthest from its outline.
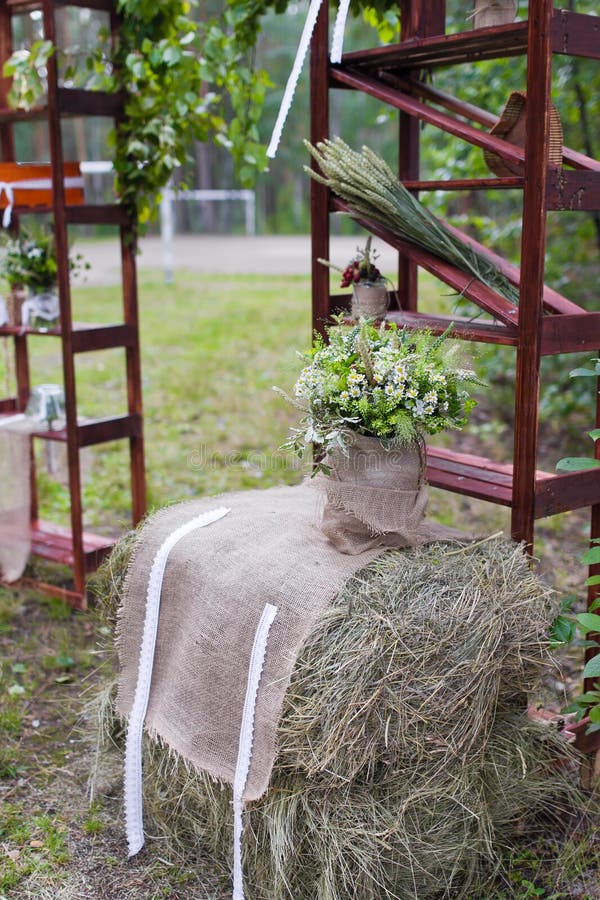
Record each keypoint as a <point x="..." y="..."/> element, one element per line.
<point x="361" y="269"/>
<point x="383" y="382"/>
<point x="30" y="261"/>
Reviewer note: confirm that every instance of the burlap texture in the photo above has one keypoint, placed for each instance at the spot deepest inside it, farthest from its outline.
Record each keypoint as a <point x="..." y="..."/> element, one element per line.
<point x="15" y="510"/>
<point x="268" y="549"/>
<point x="375" y="497"/>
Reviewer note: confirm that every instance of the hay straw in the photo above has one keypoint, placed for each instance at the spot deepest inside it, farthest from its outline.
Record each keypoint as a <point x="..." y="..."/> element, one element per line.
<point x="368" y="184"/>
<point x="405" y="756"/>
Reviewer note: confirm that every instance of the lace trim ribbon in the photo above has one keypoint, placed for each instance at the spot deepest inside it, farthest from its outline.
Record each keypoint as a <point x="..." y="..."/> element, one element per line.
<point x="133" y="746"/>
<point x="242" y="768"/>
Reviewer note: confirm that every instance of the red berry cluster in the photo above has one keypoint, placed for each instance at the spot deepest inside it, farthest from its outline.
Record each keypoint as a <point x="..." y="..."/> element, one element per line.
<point x="358" y="270"/>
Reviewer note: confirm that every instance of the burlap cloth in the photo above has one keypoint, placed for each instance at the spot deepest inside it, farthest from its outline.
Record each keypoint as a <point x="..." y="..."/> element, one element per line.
<point x="268" y="549"/>
<point x="376" y="496"/>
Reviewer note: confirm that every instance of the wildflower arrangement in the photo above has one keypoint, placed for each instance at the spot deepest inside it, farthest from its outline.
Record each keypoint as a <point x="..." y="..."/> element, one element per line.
<point x="30" y="261"/>
<point x="389" y="383"/>
<point x="361" y="269"/>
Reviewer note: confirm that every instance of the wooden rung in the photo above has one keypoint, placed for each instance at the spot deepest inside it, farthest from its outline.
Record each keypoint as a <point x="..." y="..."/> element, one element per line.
<point x="79" y="102"/>
<point x="98" y="431"/>
<point x="101" y="214"/>
<point x="570" y="334"/>
<point x="485" y="479"/>
<point x="466" y="184"/>
<point x="104" y="337"/>
<point x="465" y="329"/>
<point x="560" y="493"/>
<point x="576" y="34"/>
<point x="576" y="191"/>
<point x="467" y="46"/>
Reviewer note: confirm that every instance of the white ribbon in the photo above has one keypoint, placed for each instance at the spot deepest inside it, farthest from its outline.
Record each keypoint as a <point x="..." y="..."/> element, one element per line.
<point x="337" y="44"/>
<point x="242" y="768"/>
<point x="133" y="746"/>
<point x="31" y="184"/>
<point x="336" y="57"/>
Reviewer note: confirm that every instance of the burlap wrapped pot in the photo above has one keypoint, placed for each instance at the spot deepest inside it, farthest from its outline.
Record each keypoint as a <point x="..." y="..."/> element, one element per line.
<point x="375" y="496"/>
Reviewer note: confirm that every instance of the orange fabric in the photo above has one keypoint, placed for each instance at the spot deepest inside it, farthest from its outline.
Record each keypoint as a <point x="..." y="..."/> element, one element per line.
<point x="11" y="172"/>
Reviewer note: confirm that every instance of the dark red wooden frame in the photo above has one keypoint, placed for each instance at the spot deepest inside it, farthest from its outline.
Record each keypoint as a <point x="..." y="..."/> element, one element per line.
<point x="544" y="323"/>
<point x="73" y="546"/>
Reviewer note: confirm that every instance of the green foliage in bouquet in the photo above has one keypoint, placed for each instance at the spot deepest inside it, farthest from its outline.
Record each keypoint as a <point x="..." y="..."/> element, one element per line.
<point x="384" y="382"/>
<point x="30" y="260"/>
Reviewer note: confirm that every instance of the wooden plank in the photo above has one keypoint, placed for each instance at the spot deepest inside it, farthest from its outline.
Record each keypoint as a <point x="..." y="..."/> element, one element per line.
<point x="462" y="282"/>
<point x="421" y="111"/>
<point x="101" y="214"/>
<point x="570" y="334"/>
<point x="103" y="337"/>
<point x="74" y="599"/>
<point x="533" y="244"/>
<point x="319" y="193"/>
<point x="576" y="34"/>
<point x="110" y="429"/>
<point x="64" y="292"/>
<point x="465" y="329"/>
<point x="418" y="19"/>
<point x="79" y="102"/>
<point x="8" y="406"/>
<point x="430" y="52"/>
<point x="465" y="184"/>
<point x="585" y="743"/>
<point x="573" y="191"/>
<point x="560" y="493"/>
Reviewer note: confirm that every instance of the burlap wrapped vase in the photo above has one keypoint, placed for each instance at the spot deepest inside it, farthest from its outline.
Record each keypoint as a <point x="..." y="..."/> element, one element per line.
<point x="375" y="496"/>
<point x="369" y="301"/>
<point x="14" y="304"/>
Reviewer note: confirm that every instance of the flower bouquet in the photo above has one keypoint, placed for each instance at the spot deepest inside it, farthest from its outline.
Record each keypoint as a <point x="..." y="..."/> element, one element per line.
<point x="368" y="398"/>
<point x="369" y="286"/>
<point x="29" y="265"/>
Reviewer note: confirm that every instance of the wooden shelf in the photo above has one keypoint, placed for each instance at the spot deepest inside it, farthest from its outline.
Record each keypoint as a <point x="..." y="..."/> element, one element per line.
<point x="72" y="102"/>
<point x="55" y="543"/>
<point x="24" y="6"/>
<point x="443" y="50"/>
<point x="484" y="479"/>
<point x="85" y="337"/>
<point x="572" y="33"/>
<point x="98" y="431"/>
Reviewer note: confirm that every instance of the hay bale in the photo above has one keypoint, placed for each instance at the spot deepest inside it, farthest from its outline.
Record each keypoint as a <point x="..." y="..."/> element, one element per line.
<point x="404" y="753"/>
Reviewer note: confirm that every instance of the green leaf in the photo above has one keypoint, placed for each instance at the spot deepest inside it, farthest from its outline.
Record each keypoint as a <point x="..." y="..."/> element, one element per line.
<point x="19" y="668"/>
<point x="589" y="621"/>
<point x="592" y="580"/>
<point x="576" y="464"/>
<point x="595" y="434"/>
<point x="591" y="556"/>
<point x="592" y="668"/>
<point x="562" y="630"/>
<point x="594" y="714"/>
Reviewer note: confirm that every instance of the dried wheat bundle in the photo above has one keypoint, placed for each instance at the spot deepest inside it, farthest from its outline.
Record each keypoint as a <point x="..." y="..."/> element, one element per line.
<point x="368" y="184"/>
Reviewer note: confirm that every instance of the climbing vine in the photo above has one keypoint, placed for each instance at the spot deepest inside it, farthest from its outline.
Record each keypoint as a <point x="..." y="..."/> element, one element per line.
<point x="181" y="79"/>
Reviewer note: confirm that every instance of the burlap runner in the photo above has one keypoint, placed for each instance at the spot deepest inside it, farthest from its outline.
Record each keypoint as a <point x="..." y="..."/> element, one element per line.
<point x="376" y="497"/>
<point x="269" y="549"/>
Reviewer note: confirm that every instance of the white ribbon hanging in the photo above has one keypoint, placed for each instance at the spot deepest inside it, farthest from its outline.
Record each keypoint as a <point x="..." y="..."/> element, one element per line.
<point x="31" y="184"/>
<point x="290" y="88"/>
<point x="242" y="768"/>
<point x="134" y="819"/>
